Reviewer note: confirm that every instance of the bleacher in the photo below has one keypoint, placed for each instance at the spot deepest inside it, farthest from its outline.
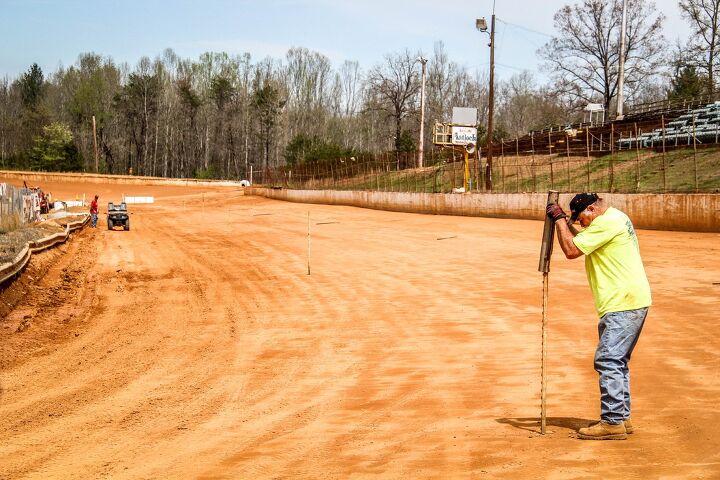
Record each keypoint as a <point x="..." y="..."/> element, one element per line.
<point x="702" y="123"/>
<point x="641" y="128"/>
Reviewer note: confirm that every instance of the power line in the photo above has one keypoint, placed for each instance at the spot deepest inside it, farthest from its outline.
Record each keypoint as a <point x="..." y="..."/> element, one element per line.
<point x="498" y="64"/>
<point x="511" y="67"/>
<point x="524" y="28"/>
<point x="526" y="36"/>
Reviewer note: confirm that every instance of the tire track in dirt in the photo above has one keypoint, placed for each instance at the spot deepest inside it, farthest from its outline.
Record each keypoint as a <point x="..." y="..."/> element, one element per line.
<point x="51" y="290"/>
<point x="367" y="396"/>
<point x="267" y="394"/>
<point x="101" y="381"/>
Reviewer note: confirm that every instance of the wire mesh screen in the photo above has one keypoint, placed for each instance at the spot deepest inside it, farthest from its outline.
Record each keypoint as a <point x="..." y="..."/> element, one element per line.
<point x="670" y="148"/>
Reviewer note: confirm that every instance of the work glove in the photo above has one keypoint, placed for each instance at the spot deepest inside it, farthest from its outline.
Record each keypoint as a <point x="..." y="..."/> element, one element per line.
<point x="554" y="212"/>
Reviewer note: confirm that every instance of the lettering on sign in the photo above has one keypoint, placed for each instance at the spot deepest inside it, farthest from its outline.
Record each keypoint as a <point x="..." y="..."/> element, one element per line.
<point x="464" y="135"/>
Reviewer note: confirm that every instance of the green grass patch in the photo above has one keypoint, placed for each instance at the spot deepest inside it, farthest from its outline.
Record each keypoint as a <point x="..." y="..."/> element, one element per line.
<point x="628" y="171"/>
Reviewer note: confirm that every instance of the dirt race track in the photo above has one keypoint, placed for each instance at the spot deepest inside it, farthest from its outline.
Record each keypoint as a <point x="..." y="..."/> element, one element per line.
<point x="196" y="345"/>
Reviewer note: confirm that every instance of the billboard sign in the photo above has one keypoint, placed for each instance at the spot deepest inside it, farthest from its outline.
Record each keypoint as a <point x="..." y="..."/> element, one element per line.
<point x="464" y="135"/>
<point x="464" y="116"/>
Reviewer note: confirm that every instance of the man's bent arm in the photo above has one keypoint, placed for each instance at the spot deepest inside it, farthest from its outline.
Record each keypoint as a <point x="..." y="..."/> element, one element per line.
<point x="565" y="238"/>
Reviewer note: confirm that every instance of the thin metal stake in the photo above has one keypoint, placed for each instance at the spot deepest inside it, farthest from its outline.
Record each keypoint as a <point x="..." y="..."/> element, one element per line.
<point x="544" y="267"/>
<point x="308" y="254"/>
<point x="543" y="371"/>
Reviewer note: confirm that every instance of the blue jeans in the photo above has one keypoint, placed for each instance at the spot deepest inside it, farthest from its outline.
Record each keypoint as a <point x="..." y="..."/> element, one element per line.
<point x="618" y="332"/>
<point x="93" y="220"/>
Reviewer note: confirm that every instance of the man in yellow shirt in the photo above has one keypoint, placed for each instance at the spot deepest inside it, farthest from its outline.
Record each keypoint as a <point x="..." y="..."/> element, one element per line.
<point x="622" y="297"/>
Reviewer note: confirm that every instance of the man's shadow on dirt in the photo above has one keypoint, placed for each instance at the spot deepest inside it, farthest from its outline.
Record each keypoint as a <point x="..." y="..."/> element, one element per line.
<point x="532" y="424"/>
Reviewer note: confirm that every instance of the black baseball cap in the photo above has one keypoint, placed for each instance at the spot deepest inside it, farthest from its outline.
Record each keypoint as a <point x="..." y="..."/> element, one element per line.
<point x="580" y="202"/>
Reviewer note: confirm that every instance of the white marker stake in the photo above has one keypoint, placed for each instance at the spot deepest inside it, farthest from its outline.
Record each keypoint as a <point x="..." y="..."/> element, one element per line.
<point x="308" y="255"/>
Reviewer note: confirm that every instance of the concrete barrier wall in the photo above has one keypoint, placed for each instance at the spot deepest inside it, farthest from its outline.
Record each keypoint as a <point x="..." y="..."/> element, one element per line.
<point x="33" y="178"/>
<point x="685" y="212"/>
<point x="10" y="269"/>
<point x="698" y="212"/>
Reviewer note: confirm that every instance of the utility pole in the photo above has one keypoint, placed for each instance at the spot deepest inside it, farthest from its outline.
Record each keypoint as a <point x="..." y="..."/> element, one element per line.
<point x="491" y="107"/>
<point x="423" y="61"/>
<point x="97" y="164"/>
<point x="621" y="73"/>
<point x="481" y="25"/>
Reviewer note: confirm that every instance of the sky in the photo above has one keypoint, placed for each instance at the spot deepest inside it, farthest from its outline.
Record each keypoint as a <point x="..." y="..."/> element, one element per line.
<point x="52" y="33"/>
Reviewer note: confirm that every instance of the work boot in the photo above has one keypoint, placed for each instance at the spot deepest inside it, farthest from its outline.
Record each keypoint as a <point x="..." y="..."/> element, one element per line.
<point x="603" y="431"/>
<point x="628" y="426"/>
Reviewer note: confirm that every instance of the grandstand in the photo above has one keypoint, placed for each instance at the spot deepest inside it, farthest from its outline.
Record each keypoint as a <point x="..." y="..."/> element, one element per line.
<point x="702" y="123"/>
<point x="661" y="125"/>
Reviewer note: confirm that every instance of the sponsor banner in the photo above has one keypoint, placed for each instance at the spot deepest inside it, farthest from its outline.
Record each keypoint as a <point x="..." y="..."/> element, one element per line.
<point x="139" y="199"/>
<point x="58" y="205"/>
<point x="464" y="135"/>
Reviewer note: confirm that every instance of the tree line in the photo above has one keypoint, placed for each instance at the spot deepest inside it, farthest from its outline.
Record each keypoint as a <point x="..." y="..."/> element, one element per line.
<point x="221" y="114"/>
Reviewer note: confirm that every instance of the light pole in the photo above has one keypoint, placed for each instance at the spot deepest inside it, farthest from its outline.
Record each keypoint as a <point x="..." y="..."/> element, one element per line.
<point x="423" y="61"/>
<point x="481" y="25"/>
<point x="621" y="73"/>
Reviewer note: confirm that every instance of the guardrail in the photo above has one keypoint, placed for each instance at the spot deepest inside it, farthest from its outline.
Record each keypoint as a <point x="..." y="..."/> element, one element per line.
<point x="9" y="270"/>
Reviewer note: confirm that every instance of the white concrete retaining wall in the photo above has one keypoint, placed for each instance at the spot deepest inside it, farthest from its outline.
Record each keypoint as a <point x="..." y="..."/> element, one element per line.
<point x="9" y="270"/>
<point x="686" y="212"/>
<point x="130" y="200"/>
<point x="38" y="177"/>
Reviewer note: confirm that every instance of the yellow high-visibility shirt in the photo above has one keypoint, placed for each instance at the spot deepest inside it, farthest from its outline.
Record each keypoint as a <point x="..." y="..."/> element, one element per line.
<point x="612" y="261"/>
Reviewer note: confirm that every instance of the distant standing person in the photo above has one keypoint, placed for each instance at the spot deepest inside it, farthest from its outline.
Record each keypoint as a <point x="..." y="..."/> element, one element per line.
<point x="622" y="297"/>
<point x="94" y="212"/>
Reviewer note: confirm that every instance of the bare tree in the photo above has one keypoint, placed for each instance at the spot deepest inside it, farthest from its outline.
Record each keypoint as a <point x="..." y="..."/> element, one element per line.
<point x="344" y="102"/>
<point x="307" y="81"/>
<point x="441" y="73"/>
<point x="703" y="47"/>
<point x="267" y="103"/>
<point x="394" y="86"/>
<point x="451" y="85"/>
<point x="213" y="116"/>
<point x="522" y="106"/>
<point x="584" y="57"/>
<point x="351" y="81"/>
<point x="138" y="103"/>
<point x="10" y="114"/>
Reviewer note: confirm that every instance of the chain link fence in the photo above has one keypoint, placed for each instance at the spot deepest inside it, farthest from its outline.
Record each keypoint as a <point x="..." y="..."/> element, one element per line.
<point x="651" y="152"/>
<point x="17" y="206"/>
<point x="624" y="171"/>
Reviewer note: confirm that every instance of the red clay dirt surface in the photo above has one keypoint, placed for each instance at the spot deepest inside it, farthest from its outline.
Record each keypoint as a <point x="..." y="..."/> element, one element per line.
<point x="196" y="345"/>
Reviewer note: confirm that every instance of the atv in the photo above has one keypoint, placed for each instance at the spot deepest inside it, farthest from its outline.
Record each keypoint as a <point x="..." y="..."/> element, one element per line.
<point x="118" y="216"/>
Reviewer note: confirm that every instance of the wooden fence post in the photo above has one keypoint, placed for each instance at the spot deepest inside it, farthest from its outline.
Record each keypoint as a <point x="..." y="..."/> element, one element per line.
<point x="695" y="155"/>
<point x="664" y="162"/>
<point x="502" y="162"/>
<point x="637" y="159"/>
<point x="587" y="155"/>
<point x="567" y="148"/>
<point x="612" y="157"/>
<point x="532" y="162"/>
<point x="517" y="165"/>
